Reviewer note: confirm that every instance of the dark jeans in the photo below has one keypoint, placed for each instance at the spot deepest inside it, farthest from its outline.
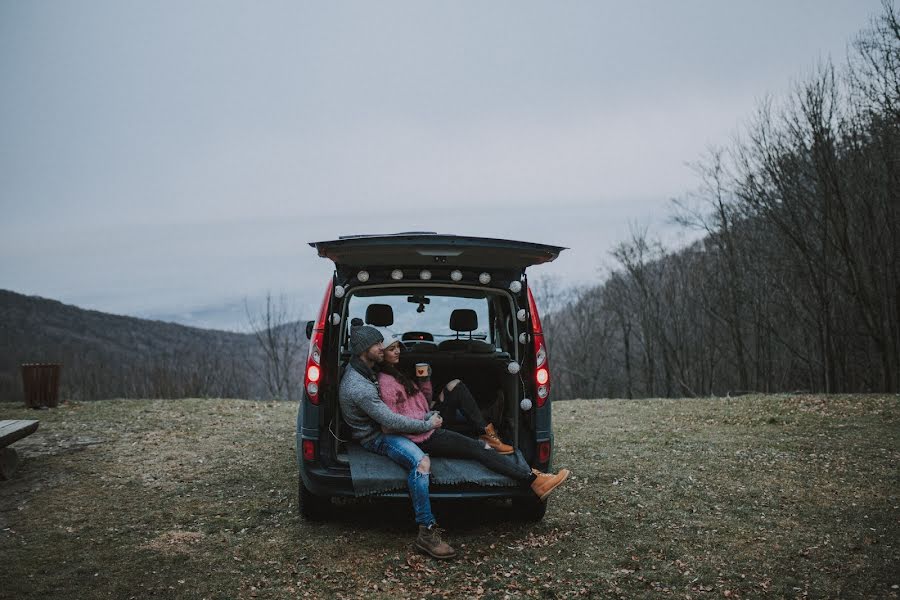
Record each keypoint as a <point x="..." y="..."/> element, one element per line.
<point x="461" y="399"/>
<point x="451" y="444"/>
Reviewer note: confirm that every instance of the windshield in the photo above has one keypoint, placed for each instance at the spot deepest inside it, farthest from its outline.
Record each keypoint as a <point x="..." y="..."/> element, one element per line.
<point x="424" y="312"/>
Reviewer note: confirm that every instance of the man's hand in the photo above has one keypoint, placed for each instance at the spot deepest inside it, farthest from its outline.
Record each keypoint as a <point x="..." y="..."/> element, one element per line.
<point x="435" y="421"/>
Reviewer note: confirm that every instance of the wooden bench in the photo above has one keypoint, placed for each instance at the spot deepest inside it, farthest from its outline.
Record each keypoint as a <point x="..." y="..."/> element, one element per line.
<point x="10" y="431"/>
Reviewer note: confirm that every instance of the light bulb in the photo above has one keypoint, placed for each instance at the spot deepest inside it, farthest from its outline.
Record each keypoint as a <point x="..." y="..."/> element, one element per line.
<point x="339" y="291"/>
<point x="363" y="276"/>
<point x="515" y="287"/>
<point x="396" y="274"/>
<point x="525" y="404"/>
<point x="521" y="314"/>
<point x="456" y="275"/>
<point x="425" y="275"/>
<point x="513" y="367"/>
<point x="484" y="278"/>
<point x="335" y="319"/>
<point x="523" y="338"/>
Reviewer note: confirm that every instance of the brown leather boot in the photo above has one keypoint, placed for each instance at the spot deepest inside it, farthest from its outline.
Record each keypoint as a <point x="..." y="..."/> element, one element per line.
<point x="493" y="440"/>
<point x="547" y="482"/>
<point x="429" y="542"/>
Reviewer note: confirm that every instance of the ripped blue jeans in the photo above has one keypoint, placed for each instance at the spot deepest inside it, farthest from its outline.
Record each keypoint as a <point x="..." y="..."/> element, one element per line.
<point x="408" y="455"/>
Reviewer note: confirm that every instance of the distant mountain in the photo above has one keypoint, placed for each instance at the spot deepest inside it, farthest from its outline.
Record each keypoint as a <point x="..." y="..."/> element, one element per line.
<point x="227" y="316"/>
<point x="105" y="355"/>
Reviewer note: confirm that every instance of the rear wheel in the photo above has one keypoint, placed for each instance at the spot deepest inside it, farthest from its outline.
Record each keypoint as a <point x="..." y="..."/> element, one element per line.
<point x="311" y="507"/>
<point x="529" y="509"/>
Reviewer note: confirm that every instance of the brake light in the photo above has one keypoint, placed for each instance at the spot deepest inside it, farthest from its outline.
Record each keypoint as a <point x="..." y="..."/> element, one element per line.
<point x="323" y="309"/>
<point x="535" y="318"/>
<point x="309" y="450"/>
<point x="314" y="360"/>
<point x="543" y="452"/>
<point x="541" y="360"/>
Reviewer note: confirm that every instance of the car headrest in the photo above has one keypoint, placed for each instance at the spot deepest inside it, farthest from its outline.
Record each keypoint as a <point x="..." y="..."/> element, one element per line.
<point x="463" y="319"/>
<point x="380" y="315"/>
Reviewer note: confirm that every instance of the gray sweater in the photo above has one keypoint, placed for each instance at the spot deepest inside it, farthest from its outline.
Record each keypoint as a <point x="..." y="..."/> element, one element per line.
<point x="366" y="413"/>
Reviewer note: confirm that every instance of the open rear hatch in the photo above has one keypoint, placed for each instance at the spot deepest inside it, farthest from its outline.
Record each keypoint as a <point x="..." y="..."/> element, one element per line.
<point x="432" y="249"/>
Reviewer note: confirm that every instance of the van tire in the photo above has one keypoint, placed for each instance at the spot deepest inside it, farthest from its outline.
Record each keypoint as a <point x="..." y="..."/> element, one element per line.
<point x="529" y="509"/>
<point x="310" y="506"/>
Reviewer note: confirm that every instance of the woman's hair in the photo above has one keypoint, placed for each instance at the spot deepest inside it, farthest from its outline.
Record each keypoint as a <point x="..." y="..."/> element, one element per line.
<point x="407" y="383"/>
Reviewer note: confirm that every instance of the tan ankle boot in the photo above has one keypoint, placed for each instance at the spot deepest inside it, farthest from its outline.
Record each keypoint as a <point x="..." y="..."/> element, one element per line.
<point x="430" y="542"/>
<point x="493" y="440"/>
<point x="547" y="482"/>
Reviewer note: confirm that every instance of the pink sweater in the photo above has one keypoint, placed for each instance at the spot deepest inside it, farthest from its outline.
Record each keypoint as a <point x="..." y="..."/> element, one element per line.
<point x="395" y="397"/>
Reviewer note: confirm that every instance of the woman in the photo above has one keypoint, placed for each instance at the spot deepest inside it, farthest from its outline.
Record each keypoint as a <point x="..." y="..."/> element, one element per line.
<point x="402" y="395"/>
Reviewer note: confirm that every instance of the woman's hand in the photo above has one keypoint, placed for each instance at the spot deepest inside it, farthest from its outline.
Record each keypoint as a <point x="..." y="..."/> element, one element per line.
<point x="435" y="421"/>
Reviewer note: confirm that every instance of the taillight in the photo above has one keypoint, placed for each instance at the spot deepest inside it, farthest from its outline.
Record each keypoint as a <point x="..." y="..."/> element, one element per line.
<point x="309" y="450"/>
<point x="535" y="318"/>
<point x="313" y="374"/>
<point x="313" y="368"/>
<point x="541" y="360"/>
<point x="543" y="452"/>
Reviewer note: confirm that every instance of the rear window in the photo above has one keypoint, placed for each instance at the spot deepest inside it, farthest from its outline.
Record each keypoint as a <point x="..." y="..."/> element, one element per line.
<point x="433" y="316"/>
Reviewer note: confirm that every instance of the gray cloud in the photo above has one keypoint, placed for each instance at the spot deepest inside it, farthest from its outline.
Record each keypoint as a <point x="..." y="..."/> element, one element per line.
<point x="165" y="159"/>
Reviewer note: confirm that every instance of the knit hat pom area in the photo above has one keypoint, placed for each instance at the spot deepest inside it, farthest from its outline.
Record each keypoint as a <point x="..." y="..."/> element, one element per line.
<point x="362" y="337"/>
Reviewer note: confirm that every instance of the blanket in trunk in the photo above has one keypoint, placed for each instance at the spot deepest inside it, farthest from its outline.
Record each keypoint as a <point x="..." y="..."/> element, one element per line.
<point x="373" y="473"/>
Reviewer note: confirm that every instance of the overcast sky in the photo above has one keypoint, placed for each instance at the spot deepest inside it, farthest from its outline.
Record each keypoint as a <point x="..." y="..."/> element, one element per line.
<point x="170" y="159"/>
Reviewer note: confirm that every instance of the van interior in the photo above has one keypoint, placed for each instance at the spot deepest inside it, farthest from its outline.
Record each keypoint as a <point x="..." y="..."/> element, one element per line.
<point x="463" y="333"/>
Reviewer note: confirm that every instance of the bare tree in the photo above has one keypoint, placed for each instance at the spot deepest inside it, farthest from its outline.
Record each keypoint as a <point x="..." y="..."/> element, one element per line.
<point x="281" y="339"/>
<point x="796" y="282"/>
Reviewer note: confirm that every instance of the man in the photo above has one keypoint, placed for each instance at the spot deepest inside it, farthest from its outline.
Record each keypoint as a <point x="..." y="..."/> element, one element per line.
<point x="366" y="414"/>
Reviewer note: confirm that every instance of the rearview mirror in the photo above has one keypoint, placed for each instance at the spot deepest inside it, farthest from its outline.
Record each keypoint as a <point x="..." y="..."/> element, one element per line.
<point x="309" y="328"/>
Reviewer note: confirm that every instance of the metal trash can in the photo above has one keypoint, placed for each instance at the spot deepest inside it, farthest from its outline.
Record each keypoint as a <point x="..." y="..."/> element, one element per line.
<point x="41" y="383"/>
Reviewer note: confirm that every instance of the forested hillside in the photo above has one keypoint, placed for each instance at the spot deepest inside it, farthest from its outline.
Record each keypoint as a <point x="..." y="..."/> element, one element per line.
<point x="796" y="282"/>
<point x="107" y="355"/>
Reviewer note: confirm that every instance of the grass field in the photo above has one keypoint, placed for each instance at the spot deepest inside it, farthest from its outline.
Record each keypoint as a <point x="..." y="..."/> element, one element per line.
<point x="757" y="496"/>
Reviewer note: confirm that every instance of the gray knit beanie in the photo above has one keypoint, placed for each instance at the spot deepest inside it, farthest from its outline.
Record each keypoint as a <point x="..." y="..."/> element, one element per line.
<point x="362" y="338"/>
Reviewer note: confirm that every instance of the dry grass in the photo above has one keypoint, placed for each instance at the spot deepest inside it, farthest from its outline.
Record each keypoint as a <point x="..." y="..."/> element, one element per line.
<point x="744" y="497"/>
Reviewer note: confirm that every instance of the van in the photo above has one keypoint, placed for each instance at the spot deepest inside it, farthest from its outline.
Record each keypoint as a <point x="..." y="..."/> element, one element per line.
<point x="460" y="304"/>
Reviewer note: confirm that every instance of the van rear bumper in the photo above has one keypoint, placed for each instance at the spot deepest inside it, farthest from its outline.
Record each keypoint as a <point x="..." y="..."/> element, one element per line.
<point x="325" y="482"/>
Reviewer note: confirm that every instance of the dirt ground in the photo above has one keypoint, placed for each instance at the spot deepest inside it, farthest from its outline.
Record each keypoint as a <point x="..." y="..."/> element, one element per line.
<point x="757" y="496"/>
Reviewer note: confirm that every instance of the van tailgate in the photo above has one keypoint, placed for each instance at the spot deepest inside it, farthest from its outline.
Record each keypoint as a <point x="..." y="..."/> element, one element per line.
<point x="423" y="249"/>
